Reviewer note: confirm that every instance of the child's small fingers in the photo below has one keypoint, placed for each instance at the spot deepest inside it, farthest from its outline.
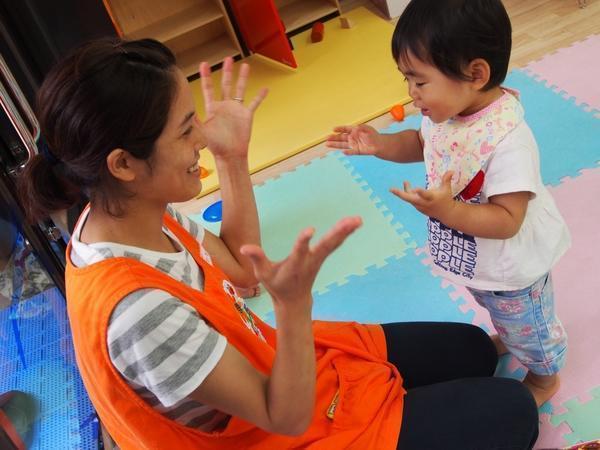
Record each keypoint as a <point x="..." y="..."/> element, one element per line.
<point x="401" y="194"/>
<point x="338" y="137"/>
<point x="424" y="194"/>
<point x="343" y="129"/>
<point x="335" y="144"/>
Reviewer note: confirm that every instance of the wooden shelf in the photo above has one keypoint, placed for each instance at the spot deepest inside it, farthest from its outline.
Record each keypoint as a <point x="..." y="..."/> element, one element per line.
<point x="180" y="23"/>
<point x="297" y="13"/>
<point x="213" y="51"/>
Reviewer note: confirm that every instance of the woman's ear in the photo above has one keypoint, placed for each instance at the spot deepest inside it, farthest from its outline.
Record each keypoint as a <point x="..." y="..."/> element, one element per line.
<point x="479" y="71"/>
<point x="121" y="165"/>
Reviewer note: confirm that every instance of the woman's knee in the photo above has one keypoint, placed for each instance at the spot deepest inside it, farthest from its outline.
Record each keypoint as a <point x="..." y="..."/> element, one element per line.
<point x="478" y="344"/>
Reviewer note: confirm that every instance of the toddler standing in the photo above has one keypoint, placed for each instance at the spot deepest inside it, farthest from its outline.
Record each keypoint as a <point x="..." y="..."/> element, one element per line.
<point x="493" y="226"/>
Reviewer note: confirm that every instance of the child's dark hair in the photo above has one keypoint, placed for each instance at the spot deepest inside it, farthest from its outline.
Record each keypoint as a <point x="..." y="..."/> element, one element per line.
<point x="449" y="34"/>
<point x="107" y="94"/>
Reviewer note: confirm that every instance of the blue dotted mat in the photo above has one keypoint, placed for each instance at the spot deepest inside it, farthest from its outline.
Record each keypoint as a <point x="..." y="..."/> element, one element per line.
<point x="36" y="356"/>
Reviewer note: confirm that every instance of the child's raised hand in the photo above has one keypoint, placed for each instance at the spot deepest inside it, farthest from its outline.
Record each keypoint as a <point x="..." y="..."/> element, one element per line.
<point x="435" y="202"/>
<point x="355" y="140"/>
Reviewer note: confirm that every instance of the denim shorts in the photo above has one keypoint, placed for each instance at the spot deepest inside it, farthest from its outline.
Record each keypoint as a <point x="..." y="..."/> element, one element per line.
<point x="527" y="324"/>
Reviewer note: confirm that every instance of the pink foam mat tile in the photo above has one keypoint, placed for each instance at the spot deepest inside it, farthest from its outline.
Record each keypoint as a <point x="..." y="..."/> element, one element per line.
<point x="577" y="284"/>
<point x="551" y="437"/>
<point x="573" y="71"/>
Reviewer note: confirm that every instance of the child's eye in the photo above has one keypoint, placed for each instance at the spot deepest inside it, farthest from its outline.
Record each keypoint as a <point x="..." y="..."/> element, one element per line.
<point x="187" y="131"/>
<point x="416" y="84"/>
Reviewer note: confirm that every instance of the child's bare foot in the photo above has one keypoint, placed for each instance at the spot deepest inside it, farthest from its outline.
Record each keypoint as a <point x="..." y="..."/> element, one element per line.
<point x="500" y="347"/>
<point x="543" y="387"/>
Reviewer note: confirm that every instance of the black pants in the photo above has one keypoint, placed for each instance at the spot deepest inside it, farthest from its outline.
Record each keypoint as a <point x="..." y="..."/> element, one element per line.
<point x="452" y="400"/>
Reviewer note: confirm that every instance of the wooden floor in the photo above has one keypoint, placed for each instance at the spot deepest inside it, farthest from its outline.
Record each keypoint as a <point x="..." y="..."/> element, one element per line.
<point x="539" y="27"/>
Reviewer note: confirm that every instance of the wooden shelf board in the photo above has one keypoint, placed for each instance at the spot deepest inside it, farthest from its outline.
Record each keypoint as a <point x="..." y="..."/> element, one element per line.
<point x="301" y="12"/>
<point x="179" y="23"/>
<point x="213" y="52"/>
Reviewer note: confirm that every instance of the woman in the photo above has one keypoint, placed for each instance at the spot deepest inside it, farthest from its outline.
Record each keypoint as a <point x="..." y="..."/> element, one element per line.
<point x="170" y="355"/>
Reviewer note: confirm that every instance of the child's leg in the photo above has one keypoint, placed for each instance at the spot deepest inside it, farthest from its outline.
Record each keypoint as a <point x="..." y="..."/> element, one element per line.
<point x="498" y="344"/>
<point x="500" y="347"/>
<point x="543" y="387"/>
<point x="527" y="325"/>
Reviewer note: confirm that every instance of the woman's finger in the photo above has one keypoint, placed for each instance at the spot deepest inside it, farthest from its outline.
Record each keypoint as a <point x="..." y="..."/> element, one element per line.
<point x="301" y="245"/>
<point x="256" y="101"/>
<point x="206" y="84"/>
<point x="242" y="81"/>
<point x="226" y="77"/>
<point x="260" y="262"/>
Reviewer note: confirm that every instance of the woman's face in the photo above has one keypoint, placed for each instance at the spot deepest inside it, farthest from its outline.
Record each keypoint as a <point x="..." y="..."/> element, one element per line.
<point x="175" y="174"/>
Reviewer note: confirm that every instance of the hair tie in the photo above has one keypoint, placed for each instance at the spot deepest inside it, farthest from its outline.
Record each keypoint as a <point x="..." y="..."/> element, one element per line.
<point x="119" y="46"/>
<point x="44" y="150"/>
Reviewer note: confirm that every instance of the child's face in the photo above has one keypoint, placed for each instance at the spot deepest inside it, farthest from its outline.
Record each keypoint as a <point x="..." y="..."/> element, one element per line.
<point x="434" y="93"/>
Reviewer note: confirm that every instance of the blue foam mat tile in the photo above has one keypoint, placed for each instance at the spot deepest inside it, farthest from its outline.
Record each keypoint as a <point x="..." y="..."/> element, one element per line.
<point x="568" y="136"/>
<point x="379" y="176"/>
<point x="401" y="291"/>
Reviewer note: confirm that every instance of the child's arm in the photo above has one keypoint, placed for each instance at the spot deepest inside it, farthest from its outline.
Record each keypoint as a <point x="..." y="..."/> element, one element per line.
<point x="404" y="147"/>
<point x="501" y="218"/>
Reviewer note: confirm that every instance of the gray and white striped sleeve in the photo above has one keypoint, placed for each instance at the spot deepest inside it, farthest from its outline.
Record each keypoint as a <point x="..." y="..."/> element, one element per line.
<point x="157" y="341"/>
<point x="194" y="228"/>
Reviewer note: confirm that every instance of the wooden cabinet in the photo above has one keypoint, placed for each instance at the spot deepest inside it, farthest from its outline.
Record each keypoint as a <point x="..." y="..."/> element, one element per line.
<point x="296" y="14"/>
<point x="195" y="30"/>
<point x="201" y="30"/>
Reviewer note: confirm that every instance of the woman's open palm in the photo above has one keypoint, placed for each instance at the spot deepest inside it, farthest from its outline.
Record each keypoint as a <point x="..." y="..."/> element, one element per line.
<point x="291" y="280"/>
<point x="228" y="122"/>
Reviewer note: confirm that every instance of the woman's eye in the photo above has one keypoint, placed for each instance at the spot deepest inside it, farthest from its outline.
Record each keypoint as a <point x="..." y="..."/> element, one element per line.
<point x="419" y="84"/>
<point x="187" y="131"/>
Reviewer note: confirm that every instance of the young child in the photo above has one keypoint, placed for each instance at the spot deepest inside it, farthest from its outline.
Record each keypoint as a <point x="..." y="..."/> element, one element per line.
<point x="493" y="226"/>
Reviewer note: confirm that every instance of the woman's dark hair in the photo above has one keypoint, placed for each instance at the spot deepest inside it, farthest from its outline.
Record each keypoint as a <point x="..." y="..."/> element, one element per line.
<point x="449" y="34"/>
<point x="106" y="94"/>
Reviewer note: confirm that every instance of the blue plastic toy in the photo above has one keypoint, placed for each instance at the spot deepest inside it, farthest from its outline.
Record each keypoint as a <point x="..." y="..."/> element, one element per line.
<point x="214" y="212"/>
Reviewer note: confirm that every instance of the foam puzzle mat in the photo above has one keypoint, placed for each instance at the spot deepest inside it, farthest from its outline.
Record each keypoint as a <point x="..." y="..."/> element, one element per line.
<point x="556" y="71"/>
<point x="297" y="200"/>
<point x="389" y="284"/>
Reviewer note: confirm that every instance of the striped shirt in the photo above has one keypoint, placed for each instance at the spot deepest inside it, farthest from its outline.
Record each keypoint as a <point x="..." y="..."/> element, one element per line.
<point x="159" y="344"/>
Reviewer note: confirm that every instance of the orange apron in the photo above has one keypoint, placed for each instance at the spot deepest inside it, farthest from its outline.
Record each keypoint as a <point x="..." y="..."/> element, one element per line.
<point x="351" y="365"/>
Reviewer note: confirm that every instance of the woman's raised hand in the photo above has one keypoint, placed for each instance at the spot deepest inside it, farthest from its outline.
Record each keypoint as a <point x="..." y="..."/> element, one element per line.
<point x="356" y="140"/>
<point x="228" y="122"/>
<point x="290" y="281"/>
